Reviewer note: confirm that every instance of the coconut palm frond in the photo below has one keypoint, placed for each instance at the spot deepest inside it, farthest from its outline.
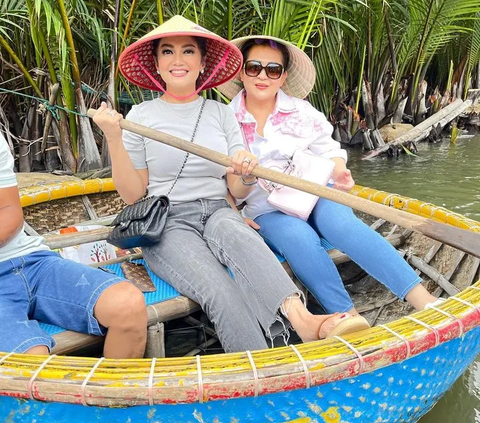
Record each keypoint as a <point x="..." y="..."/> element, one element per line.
<point x="474" y="48"/>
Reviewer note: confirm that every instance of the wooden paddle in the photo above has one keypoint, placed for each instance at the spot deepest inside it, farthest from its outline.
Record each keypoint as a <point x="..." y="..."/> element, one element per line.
<point x="459" y="238"/>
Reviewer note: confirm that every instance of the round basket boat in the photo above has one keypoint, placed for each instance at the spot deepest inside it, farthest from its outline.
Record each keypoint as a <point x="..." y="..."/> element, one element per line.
<point x="393" y="372"/>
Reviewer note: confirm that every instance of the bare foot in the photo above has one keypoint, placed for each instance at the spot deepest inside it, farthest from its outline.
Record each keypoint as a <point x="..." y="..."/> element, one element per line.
<point x="311" y="327"/>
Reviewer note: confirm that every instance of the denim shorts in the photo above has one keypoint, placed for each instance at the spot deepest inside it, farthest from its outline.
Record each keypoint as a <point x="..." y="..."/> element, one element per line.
<point x="44" y="287"/>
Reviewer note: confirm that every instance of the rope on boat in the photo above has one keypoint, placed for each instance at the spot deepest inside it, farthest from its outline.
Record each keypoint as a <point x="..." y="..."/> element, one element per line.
<point x="5" y="357"/>
<point x="32" y="379"/>
<point x="304" y="364"/>
<point x="446" y="313"/>
<point x="51" y="108"/>
<point x="255" y="373"/>
<point x="426" y="325"/>
<point x="401" y="337"/>
<point x="84" y="384"/>
<point x="357" y="353"/>
<point x="465" y="302"/>
<point x="200" y="380"/>
<point x="150" y="382"/>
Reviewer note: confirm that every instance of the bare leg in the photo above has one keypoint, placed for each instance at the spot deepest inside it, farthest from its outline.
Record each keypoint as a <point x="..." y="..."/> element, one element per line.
<point x="39" y="349"/>
<point x="121" y="309"/>
<point x="419" y="297"/>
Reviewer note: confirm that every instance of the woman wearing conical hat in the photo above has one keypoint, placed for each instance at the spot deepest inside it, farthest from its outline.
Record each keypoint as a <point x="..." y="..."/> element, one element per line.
<point x="203" y="235"/>
<point x="276" y="121"/>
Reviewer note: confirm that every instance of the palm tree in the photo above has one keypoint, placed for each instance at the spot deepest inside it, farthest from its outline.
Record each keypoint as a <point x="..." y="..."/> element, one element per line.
<point x="371" y="57"/>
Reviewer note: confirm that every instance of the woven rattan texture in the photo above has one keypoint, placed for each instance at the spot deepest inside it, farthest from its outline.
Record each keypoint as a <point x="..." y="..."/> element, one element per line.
<point x="106" y="204"/>
<point x="47" y="217"/>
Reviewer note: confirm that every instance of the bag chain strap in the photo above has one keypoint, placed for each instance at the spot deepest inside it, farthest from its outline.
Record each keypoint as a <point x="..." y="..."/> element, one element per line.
<point x="191" y="140"/>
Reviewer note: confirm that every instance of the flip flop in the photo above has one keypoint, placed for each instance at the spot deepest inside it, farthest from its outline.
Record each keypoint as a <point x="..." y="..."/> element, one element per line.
<point x="347" y="324"/>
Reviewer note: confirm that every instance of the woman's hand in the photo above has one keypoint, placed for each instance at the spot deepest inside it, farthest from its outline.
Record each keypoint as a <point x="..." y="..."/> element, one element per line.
<point x="251" y="223"/>
<point x="108" y="120"/>
<point x="243" y="163"/>
<point x="344" y="181"/>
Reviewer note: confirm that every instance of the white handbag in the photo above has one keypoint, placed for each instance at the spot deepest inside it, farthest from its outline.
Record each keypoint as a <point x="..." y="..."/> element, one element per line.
<point x="305" y="165"/>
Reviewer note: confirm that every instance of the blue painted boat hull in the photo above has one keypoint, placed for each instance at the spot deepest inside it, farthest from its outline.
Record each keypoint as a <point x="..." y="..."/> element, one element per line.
<point x="402" y="392"/>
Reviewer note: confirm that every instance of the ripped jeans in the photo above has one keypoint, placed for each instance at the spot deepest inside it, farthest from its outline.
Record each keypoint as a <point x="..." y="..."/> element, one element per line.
<point x="201" y="239"/>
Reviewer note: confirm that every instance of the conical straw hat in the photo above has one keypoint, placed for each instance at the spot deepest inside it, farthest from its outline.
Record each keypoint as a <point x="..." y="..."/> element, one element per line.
<point x="140" y="53"/>
<point x="301" y="72"/>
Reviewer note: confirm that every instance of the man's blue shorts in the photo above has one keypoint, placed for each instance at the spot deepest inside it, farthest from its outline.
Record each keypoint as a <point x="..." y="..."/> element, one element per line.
<point x="43" y="286"/>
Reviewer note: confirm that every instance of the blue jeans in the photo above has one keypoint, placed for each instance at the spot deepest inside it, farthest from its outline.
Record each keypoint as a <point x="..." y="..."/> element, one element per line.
<point x="200" y="240"/>
<point x="43" y="286"/>
<point x="299" y="243"/>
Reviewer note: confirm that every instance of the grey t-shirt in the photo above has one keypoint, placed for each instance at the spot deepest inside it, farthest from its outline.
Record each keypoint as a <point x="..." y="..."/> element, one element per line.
<point x="21" y="244"/>
<point x="218" y="130"/>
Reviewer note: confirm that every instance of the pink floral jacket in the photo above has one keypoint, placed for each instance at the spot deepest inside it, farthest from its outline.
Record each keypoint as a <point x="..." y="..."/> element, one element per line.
<point x="294" y="124"/>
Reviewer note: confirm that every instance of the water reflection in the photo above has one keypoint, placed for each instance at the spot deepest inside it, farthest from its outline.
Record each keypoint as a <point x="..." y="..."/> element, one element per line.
<point x="447" y="176"/>
<point x="462" y="403"/>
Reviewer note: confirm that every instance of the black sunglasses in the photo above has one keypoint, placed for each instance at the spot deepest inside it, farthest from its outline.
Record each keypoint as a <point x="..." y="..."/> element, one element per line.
<point x="272" y="69"/>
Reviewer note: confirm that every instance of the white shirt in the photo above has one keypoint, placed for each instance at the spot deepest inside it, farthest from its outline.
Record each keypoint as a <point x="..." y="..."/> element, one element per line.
<point x="200" y="178"/>
<point x="294" y="124"/>
<point x="21" y="244"/>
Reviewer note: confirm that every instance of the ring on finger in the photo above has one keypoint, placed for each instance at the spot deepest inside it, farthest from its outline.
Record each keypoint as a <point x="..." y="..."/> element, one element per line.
<point x="246" y="160"/>
<point x="112" y="112"/>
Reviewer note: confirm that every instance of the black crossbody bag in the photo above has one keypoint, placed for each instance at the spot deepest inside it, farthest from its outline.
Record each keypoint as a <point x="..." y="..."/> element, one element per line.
<point x="141" y="224"/>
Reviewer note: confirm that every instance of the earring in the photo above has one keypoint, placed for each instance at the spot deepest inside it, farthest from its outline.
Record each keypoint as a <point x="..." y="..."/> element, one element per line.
<point x="158" y="71"/>
<point x="203" y="70"/>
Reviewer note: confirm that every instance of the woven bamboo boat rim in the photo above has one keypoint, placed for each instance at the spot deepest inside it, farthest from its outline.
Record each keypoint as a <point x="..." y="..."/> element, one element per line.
<point x="84" y="380"/>
<point x="45" y="192"/>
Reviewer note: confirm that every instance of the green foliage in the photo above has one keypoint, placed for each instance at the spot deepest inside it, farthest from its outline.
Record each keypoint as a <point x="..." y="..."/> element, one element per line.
<point x="380" y="42"/>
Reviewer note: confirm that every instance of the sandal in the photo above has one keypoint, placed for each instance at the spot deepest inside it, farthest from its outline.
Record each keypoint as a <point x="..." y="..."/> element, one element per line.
<point x="342" y="324"/>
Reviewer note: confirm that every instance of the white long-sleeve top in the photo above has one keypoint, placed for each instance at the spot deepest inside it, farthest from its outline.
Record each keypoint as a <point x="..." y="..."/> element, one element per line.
<point x="294" y="124"/>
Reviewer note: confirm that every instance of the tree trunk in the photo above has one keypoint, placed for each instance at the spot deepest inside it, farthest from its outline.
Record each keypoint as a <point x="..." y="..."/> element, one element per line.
<point x="380" y="105"/>
<point x="368" y="104"/>
<point x="398" y="115"/>
<point x="478" y="75"/>
<point x="461" y="83"/>
<point x="24" y="157"/>
<point x="36" y="146"/>
<point x="69" y="161"/>
<point x="50" y="155"/>
<point x="88" y="155"/>
<point x="421" y="104"/>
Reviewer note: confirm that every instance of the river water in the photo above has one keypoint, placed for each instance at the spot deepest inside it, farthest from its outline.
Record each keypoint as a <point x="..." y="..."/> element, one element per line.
<point x="446" y="175"/>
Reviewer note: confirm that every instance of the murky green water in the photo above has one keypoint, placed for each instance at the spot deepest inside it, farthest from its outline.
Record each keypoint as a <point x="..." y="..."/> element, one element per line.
<point x="448" y="176"/>
<point x="445" y="175"/>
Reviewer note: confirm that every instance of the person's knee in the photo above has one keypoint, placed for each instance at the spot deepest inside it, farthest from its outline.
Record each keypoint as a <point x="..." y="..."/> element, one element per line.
<point x="122" y="306"/>
<point x="39" y="350"/>
<point x="334" y="219"/>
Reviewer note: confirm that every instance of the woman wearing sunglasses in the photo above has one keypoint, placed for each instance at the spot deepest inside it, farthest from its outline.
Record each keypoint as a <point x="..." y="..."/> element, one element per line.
<point x="203" y="235"/>
<point x="276" y="122"/>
